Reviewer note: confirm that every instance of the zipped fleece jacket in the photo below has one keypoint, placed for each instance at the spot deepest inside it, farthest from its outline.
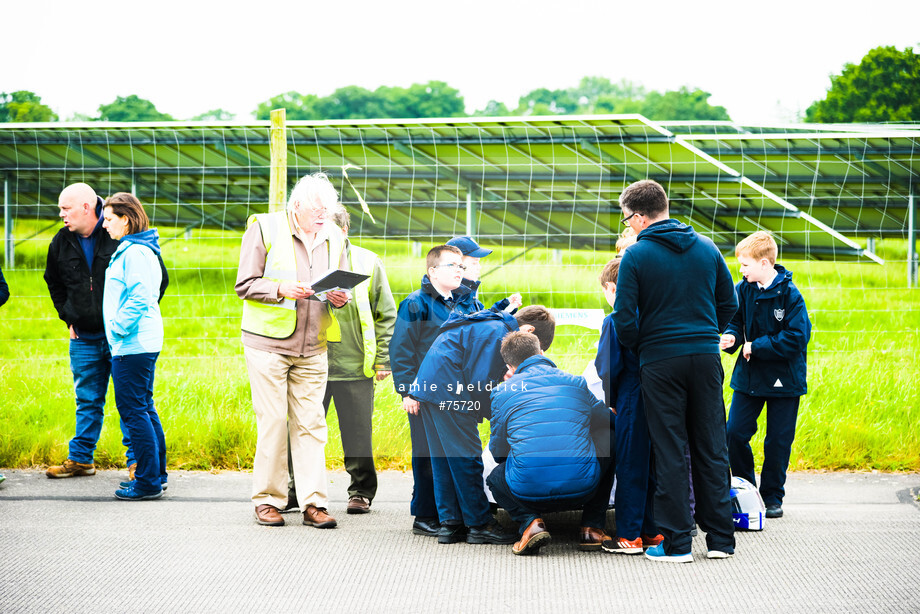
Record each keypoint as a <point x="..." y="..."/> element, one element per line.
<point x="776" y="323"/>
<point x="418" y="322"/>
<point x="675" y="294"/>
<point x="465" y="361"/>
<point x="133" y="324"/>
<point x="551" y="430"/>
<point x="75" y="287"/>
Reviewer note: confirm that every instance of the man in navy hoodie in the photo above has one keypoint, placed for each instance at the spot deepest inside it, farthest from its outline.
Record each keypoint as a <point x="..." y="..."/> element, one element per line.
<point x="553" y="440"/>
<point x="675" y="296"/>
<point x="453" y="387"/>
<point x="772" y="329"/>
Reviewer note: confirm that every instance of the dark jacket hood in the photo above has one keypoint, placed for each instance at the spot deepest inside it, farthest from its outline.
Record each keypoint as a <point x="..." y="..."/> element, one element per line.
<point x="148" y="238"/>
<point x="675" y="235"/>
<point x="459" y="319"/>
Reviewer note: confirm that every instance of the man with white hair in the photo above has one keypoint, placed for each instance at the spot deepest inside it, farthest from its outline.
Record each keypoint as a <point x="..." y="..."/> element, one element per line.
<point x="284" y="341"/>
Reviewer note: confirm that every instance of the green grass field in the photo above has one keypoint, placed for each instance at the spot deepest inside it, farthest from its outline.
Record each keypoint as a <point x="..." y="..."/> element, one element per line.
<point x="862" y="411"/>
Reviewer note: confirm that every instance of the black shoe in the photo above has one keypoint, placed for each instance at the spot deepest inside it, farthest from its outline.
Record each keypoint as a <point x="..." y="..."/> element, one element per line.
<point x="426" y="526"/>
<point x="451" y="533"/>
<point x="775" y="511"/>
<point x="492" y="533"/>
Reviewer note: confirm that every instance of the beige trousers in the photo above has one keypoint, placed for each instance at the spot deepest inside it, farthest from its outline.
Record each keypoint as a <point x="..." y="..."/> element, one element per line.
<point x="287" y="391"/>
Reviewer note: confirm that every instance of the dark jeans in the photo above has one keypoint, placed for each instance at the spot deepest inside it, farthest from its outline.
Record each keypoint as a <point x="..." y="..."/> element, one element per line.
<point x="635" y="492"/>
<point x="132" y="375"/>
<point x="423" y="504"/>
<point x="777" y="445"/>
<point x="683" y="405"/>
<point x="91" y="364"/>
<point x="354" y="405"/>
<point x="594" y="506"/>
<point x="456" y="465"/>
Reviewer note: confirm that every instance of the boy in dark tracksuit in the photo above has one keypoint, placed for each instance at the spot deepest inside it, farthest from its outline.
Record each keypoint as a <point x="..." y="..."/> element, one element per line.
<point x="418" y="320"/>
<point x="772" y="329"/>
<point x="618" y="369"/>
<point x="453" y="386"/>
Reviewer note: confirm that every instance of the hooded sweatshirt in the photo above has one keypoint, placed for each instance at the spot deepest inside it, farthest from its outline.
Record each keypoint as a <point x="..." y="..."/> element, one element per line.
<point x="675" y="294"/>
<point x="130" y="311"/>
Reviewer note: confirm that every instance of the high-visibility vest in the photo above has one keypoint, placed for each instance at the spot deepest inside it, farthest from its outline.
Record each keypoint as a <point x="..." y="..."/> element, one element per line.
<point x="279" y="320"/>
<point x="362" y="261"/>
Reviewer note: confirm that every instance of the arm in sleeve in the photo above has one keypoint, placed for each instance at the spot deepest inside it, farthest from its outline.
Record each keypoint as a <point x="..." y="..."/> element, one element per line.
<point x="383" y="306"/>
<point x="249" y="282"/>
<point x="164" y="280"/>
<point x="792" y="339"/>
<point x="56" y="287"/>
<point x="140" y="291"/>
<point x="625" y="308"/>
<point x="404" y="360"/>
<point x="736" y="325"/>
<point x="726" y="300"/>
<point x="609" y="362"/>
<point x="4" y="289"/>
<point x="498" y="437"/>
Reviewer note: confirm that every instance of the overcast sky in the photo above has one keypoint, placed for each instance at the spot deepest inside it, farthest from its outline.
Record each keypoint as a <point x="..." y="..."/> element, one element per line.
<point x="763" y="61"/>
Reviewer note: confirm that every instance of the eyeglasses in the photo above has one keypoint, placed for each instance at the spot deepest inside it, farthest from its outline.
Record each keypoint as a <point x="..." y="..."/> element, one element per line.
<point x="626" y="220"/>
<point x="450" y="266"/>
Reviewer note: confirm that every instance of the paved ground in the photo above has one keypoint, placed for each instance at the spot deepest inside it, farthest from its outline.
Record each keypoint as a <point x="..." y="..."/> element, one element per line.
<point x="848" y="543"/>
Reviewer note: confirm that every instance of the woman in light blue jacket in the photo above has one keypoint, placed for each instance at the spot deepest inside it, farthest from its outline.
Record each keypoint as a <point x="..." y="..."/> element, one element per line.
<point x="134" y="330"/>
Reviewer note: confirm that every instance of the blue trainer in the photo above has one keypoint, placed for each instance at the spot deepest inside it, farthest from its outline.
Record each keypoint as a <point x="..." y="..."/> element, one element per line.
<point x="130" y="483"/>
<point x="656" y="553"/>
<point x="129" y="494"/>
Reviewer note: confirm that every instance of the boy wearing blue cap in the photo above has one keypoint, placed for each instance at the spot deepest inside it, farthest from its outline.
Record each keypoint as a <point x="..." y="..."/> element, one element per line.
<point x="472" y="253"/>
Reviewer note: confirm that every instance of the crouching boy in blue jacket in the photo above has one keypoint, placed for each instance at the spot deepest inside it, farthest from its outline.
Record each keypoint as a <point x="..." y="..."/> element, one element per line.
<point x="772" y="329"/>
<point x="453" y="387"/>
<point x="553" y="441"/>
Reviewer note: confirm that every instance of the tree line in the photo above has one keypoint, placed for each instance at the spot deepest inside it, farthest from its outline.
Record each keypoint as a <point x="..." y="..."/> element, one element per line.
<point x="884" y="86"/>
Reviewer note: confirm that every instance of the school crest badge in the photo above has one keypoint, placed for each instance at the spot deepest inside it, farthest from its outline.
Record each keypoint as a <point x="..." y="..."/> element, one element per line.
<point x="778" y="314"/>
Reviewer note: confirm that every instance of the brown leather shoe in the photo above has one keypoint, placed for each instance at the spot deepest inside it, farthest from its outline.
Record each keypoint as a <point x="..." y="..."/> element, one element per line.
<point x="591" y="538"/>
<point x="269" y="516"/>
<point x="71" y="469"/>
<point x="535" y="537"/>
<point x="358" y="505"/>
<point x="132" y="469"/>
<point x="317" y="517"/>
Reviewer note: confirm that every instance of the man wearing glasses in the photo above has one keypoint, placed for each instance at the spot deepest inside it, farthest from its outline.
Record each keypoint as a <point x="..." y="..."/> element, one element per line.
<point x="284" y="342"/>
<point x="674" y="298"/>
<point x="419" y="317"/>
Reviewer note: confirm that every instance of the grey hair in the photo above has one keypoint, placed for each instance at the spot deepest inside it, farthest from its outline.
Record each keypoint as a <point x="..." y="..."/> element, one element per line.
<point x="311" y="188"/>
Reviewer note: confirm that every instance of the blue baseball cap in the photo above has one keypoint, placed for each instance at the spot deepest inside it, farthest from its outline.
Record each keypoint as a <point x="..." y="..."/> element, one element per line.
<point x="469" y="247"/>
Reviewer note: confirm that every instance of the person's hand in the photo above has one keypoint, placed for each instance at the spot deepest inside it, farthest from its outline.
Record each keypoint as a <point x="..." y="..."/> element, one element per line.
<point x="294" y="290"/>
<point x="746" y="351"/>
<point x="726" y="341"/>
<point x="337" y="298"/>
<point x="382" y="375"/>
<point x="410" y="405"/>
<point x="515" y="300"/>
<point x="614" y="410"/>
<point x="73" y="333"/>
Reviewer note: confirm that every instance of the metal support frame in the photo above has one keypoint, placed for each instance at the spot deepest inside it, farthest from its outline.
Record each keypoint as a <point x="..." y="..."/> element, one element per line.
<point x="8" y="260"/>
<point x="912" y="263"/>
<point x="472" y="226"/>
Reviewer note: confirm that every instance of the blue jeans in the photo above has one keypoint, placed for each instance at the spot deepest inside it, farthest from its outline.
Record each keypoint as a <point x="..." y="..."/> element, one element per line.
<point x="132" y="375"/>
<point x="91" y="364"/>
